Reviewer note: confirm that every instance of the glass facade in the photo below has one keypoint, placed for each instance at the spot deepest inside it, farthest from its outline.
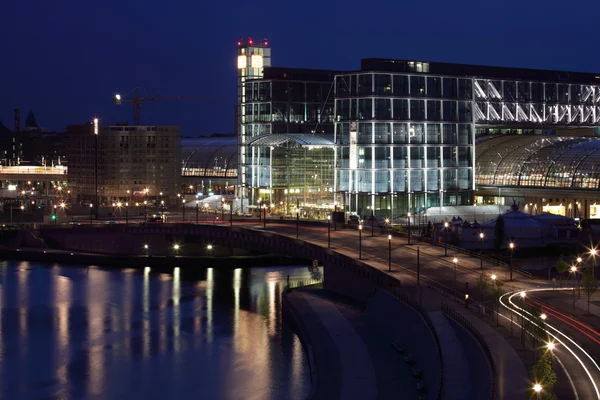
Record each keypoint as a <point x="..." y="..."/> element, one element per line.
<point x="534" y="161"/>
<point x="404" y="142"/>
<point x="284" y="171"/>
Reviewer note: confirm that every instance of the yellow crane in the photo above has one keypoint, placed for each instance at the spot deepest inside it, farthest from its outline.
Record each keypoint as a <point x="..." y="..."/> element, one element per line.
<point x="137" y="101"/>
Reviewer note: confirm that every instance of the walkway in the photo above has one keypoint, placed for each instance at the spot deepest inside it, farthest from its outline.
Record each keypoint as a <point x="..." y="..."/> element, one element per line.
<point x="352" y="359"/>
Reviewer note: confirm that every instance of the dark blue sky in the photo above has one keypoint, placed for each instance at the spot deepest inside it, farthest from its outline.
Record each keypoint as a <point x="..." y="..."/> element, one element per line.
<point x="65" y="59"/>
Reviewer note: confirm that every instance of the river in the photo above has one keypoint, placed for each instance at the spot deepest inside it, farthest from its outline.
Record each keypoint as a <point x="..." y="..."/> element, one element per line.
<point x="71" y="332"/>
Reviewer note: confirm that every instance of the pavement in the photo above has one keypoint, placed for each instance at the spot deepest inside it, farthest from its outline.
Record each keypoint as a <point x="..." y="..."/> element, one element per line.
<point x="352" y="360"/>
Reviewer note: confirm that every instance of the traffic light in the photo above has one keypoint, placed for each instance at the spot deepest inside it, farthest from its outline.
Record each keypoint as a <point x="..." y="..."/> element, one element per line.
<point x="53" y="217"/>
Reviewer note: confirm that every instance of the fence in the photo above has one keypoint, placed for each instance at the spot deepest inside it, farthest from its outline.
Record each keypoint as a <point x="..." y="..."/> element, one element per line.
<point x="459" y="318"/>
<point x="304" y="283"/>
<point x="489" y="260"/>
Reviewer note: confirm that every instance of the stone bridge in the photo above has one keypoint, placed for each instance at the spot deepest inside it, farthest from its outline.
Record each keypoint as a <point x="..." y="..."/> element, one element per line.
<point x="343" y="274"/>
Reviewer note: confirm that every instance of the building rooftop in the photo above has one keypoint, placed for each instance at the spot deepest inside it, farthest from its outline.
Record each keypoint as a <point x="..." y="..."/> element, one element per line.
<point x="469" y="70"/>
<point x="209" y="156"/>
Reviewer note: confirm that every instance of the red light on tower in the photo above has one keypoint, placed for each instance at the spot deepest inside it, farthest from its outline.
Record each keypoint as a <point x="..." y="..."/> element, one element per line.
<point x="239" y="43"/>
<point x="250" y="40"/>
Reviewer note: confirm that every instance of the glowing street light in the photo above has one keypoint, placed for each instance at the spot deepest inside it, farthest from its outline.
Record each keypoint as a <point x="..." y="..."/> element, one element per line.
<point x="512" y="249"/>
<point x="543" y="317"/>
<point x="455" y="261"/>
<point x="360" y="241"/>
<point x="446" y="239"/>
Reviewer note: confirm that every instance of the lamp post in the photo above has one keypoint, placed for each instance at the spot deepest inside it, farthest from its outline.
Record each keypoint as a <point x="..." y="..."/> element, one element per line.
<point x="593" y="252"/>
<point x="481" y="249"/>
<point x="183" y="208"/>
<point x="297" y="218"/>
<point x="574" y="272"/>
<point x="265" y="216"/>
<point x="176" y="249"/>
<point x="455" y="261"/>
<point x="512" y="248"/>
<point x="145" y="211"/>
<point x="126" y="213"/>
<point x="372" y="224"/>
<point x="408" y="228"/>
<point x="537" y="388"/>
<point x="522" y="294"/>
<point x="231" y="213"/>
<point x="96" y="165"/>
<point x="445" y="239"/>
<point x="197" y="210"/>
<point x="91" y="214"/>
<point x="390" y="253"/>
<point x="147" y="250"/>
<point x="551" y="346"/>
<point x="360" y="241"/>
<point x="329" y="231"/>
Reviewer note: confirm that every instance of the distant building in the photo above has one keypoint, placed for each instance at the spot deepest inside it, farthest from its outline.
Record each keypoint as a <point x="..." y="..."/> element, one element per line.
<point x="135" y="163"/>
<point x="30" y="145"/>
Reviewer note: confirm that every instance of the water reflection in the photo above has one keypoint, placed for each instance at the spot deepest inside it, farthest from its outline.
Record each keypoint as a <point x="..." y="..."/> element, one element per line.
<point x="73" y="333"/>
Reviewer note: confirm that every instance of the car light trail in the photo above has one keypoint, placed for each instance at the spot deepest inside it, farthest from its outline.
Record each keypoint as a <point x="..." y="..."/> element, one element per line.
<point x="521" y="312"/>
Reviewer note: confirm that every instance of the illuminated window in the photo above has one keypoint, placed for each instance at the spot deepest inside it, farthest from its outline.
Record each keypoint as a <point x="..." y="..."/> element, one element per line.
<point x="242" y="62"/>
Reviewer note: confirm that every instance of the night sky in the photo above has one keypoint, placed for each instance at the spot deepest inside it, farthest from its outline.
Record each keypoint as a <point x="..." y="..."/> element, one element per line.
<point x="65" y="59"/>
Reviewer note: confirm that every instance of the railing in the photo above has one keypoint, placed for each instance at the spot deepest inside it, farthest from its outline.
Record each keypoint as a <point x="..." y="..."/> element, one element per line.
<point x="489" y="260"/>
<point x="460" y="319"/>
<point x="304" y="283"/>
<point x="417" y="308"/>
<point x="34" y="170"/>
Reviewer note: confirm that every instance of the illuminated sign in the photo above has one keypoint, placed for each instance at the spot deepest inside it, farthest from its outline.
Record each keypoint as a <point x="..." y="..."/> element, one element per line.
<point x="242" y="62"/>
<point x="257" y="61"/>
<point x="12" y="187"/>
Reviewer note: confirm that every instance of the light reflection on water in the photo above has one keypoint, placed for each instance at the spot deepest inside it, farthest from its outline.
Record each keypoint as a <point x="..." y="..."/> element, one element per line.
<point x="79" y="333"/>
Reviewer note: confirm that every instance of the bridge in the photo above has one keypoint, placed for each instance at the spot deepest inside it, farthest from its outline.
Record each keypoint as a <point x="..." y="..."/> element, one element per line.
<point x="33" y="173"/>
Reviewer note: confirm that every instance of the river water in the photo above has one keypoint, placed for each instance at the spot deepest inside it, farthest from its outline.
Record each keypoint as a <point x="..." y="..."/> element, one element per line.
<point x="72" y="332"/>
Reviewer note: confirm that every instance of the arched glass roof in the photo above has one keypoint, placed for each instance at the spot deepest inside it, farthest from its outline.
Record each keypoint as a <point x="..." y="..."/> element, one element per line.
<point x="292" y="140"/>
<point x="539" y="161"/>
<point x="210" y="157"/>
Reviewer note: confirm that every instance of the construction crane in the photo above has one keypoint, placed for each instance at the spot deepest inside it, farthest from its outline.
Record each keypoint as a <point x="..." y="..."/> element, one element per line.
<point x="137" y="101"/>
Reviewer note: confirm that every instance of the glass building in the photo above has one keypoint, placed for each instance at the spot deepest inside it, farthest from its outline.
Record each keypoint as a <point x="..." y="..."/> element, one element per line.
<point x="405" y="130"/>
<point x="285" y="135"/>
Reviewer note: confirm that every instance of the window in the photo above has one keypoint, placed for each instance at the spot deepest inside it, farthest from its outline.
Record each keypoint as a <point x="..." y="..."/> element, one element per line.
<point x="382" y="133"/>
<point x="400" y="83"/>
<point x="383" y="84"/>
<point x="417" y="86"/>
<point x="365" y="82"/>
<point x="365" y="110"/>
<point x="449" y="111"/>
<point x="383" y="109"/>
<point x="465" y="91"/>
<point x="342" y="86"/>
<point x="400" y="109"/>
<point x="434" y="110"/>
<point x="417" y="110"/>
<point x="449" y="87"/>
<point x="434" y="87"/>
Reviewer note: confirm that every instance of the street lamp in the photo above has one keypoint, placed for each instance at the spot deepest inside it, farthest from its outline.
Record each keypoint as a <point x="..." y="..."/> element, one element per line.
<point x="455" y="261"/>
<point x="96" y="121"/>
<point x="593" y="252"/>
<point x="481" y="249"/>
<point x="408" y="228"/>
<point x="512" y="249"/>
<point x="126" y="213"/>
<point x="176" y="248"/>
<point x="209" y="247"/>
<point x="146" y="249"/>
<point x="329" y="231"/>
<point x="390" y="253"/>
<point x="91" y="208"/>
<point x="183" y="208"/>
<point x="360" y="241"/>
<point x="446" y="239"/>
<point x="537" y="388"/>
<point x="574" y="271"/>
<point x="523" y="294"/>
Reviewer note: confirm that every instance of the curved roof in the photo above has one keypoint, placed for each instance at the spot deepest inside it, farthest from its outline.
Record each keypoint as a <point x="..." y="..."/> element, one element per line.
<point x="292" y="140"/>
<point x="539" y="161"/>
<point x="210" y="157"/>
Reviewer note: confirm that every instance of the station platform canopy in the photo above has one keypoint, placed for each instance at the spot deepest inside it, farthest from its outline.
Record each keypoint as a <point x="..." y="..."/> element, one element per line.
<point x="542" y="161"/>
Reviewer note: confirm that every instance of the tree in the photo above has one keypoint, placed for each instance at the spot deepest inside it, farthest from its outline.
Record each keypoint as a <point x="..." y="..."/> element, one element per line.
<point x="590" y="285"/>
<point x="497" y="292"/>
<point x="561" y="267"/>
<point x="483" y="286"/>
<point x="499" y="232"/>
<point x="543" y="374"/>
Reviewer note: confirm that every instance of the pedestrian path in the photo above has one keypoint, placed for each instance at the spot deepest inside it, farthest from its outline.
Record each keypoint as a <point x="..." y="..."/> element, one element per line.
<point x="357" y="372"/>
<point x="456" y="371"/>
